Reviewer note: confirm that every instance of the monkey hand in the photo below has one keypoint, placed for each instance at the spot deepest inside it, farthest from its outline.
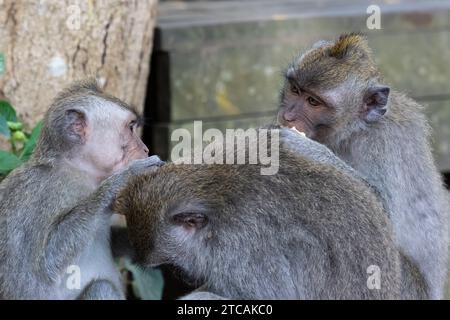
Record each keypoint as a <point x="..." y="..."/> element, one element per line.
<point x="303" y="146"/>
<point x="110" y="187"/>
<point x="137" y="167"/>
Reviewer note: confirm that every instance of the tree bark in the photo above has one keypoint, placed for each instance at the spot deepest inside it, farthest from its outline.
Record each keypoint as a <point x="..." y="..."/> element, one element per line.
<point x="47" y="44"/>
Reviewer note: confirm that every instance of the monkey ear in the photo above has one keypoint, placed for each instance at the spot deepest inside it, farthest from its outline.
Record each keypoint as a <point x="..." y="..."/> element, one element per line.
<point x="75" y="125"/>
<point x="190" y="220"/>
<point x="375" y="103"/>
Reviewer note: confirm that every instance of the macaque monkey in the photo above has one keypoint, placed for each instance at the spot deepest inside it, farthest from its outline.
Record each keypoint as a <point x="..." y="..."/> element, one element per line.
<point x="310" y="231"/>
<point x="55" y="209"/>
<point x="336" y="95"/>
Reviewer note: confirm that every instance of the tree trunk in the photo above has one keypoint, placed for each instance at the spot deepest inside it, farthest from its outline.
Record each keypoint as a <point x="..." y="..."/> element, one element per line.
<point x="47" y="44"/>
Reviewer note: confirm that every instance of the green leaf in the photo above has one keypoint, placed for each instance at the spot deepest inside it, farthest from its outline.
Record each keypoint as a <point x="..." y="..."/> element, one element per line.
<point x="8" y="162"/>
<point x="7" y="111"/>
<point x="4" y="128"/>
<point x="29" y="146"/>
<point x="2" y="63"/>
<point x="148" y="284"/>
<point x="14" y="126"/>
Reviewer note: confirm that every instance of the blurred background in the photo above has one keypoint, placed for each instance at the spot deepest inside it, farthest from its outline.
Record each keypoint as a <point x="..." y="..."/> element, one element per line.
<point x="221" y="61"/>
<point x="216" y="61"/>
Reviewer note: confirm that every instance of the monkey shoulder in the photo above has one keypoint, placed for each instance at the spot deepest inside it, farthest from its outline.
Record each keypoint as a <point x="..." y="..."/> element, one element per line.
<point x="40" y="190"/>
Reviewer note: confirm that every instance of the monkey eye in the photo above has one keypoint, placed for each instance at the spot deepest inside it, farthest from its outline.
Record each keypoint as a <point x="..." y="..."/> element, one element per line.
<point x="314" y="102"/>
<point x="132" y="125"/>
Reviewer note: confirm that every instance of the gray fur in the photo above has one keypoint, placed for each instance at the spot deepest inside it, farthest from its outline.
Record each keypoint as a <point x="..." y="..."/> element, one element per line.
<point x="308" y="232"/>
<point x="202" y="295"/>
<point x="53" y="216"/>
<point x="384" y="136"/>
<point x="48" y="218"/>
<point x="101" y="290"/>
<point x="395" y="156"/>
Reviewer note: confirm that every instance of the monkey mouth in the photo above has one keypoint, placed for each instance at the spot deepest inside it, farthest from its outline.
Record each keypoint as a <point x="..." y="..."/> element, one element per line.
<point x="297" y="131"/>
<point x="300" y="132"/>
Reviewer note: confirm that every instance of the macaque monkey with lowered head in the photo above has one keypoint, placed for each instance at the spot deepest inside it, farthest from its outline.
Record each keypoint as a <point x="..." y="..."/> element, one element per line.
<point x="335" y="94"/>
<point x="55" y="209"/>
<point x="310" y="231"/>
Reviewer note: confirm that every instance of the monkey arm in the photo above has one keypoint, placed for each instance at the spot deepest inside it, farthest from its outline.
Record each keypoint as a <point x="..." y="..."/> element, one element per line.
<point x="315" y="151"/>
<point x="301" y="145"/>
<point x="72" y="230"/>
<point x="312" y="150"/>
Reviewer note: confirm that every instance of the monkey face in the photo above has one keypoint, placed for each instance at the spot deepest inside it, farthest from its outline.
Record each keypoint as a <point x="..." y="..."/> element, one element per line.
<point x="103" y="134"/>
<point x="332" y="90"/>
<point x="92" y="131"/>
<point x="112" y="140"/>
<point x="305" y="110"/>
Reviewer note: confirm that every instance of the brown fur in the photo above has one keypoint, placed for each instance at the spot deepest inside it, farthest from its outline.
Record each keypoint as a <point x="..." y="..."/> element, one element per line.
<point x="308" y="232"/>
<point x="55" y="209"/>
<point x="331" y="64"/>
<point x="382" y="134"/>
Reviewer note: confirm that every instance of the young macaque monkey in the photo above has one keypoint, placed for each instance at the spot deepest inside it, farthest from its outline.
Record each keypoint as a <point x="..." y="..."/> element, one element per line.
<point x="309" y="231"/>
<point x="336" y="95"/>
<point x="55" y="209"/>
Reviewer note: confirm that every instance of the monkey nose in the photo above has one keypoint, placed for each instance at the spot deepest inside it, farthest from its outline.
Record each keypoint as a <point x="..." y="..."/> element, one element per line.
<point x="289" y="116"/>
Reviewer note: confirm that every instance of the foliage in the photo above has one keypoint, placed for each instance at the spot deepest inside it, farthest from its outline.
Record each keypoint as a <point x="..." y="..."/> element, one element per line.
<point x="147" y="283"/>
<point x="22" y="141"/>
